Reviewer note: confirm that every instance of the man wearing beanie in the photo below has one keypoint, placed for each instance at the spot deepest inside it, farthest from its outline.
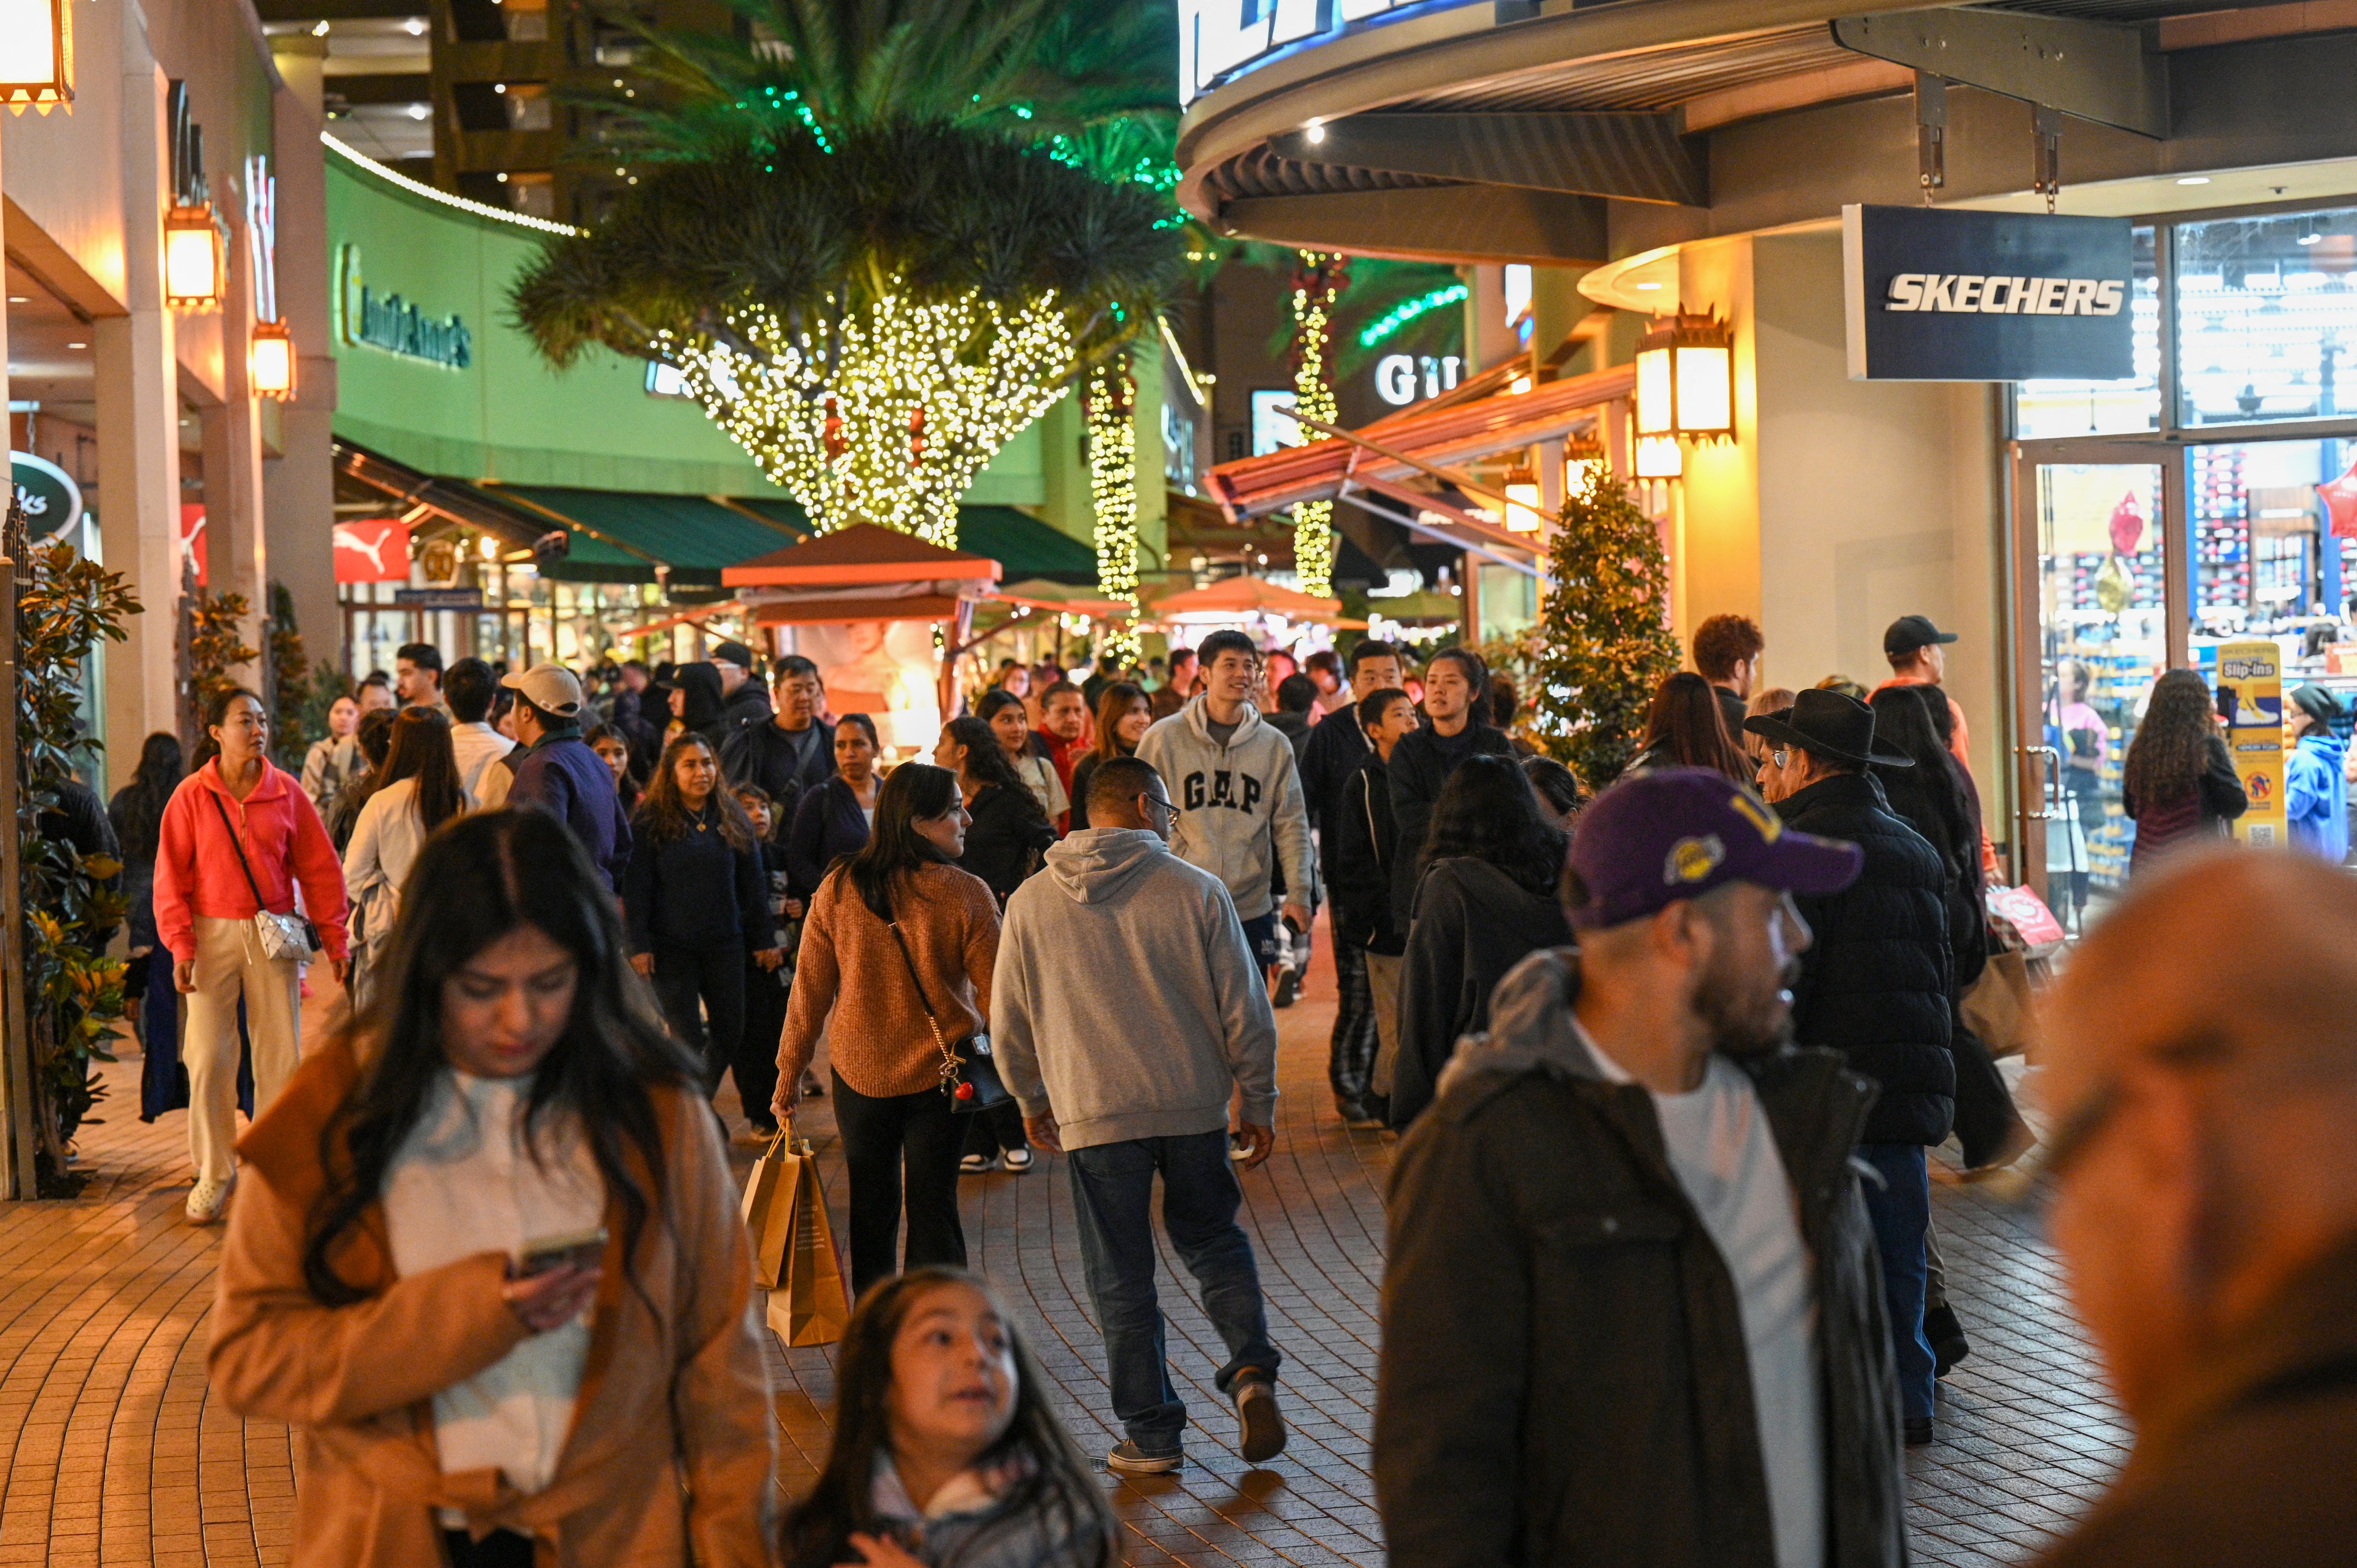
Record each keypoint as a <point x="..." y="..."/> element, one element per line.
<point x="1630" y="1311"/>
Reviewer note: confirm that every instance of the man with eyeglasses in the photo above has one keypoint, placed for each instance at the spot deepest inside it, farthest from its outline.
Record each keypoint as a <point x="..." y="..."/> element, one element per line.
<point x="1127" y="1009"/>
<point x="2200" y="1062"/>
<point x="1630" y="1311"/>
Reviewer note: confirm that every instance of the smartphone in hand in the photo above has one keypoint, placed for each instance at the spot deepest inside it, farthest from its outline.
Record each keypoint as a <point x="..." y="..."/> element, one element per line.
<point x="579" y="1249"/>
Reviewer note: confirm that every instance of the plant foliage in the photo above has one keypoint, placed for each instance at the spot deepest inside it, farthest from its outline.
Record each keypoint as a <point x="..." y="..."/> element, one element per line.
<point x="216" y="646"/>
<point x="289" y="689"/>
<point x="1604" y="635"/>
<point x="73" y="992"/>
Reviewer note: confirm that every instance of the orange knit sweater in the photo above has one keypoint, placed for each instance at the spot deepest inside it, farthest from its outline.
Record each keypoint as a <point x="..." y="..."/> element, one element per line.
<point x="849" y="965"/>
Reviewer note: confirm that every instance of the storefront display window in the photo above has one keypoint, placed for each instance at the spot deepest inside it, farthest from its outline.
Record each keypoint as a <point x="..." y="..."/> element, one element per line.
<point x="2266" y="313"/>
<point x="2052" y="410"/>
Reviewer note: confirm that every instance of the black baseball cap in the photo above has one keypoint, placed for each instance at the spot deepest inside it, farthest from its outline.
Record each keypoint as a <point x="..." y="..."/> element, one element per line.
<point x="1908" y="633"/>
<point x="739" y="655"/>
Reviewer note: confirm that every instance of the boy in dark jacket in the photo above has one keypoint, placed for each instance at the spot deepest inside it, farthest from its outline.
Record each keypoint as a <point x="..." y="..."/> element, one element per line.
<point x="1630" y="1311"/>
<point x="1875" y="987"/>
<point x="1359" y="843"/>
<point x="1455" y="696"/>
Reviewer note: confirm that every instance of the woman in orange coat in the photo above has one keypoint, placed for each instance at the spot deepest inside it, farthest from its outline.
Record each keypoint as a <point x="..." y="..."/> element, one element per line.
<point x="489" y="1266"/>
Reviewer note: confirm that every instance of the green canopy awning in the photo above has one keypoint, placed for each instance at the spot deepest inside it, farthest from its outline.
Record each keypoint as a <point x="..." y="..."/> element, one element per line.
<point x="623" y="536"/>
<point x="1024" y="545"/>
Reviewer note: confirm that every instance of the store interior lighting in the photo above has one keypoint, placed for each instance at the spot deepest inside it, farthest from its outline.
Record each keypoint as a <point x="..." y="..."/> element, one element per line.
<point x="192" y="257"/>
<point x="36" y="54"/>
<point x="272" y="360"/>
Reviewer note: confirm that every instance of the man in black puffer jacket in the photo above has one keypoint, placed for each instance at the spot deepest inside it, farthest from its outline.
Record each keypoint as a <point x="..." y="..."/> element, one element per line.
<point x="1875" y="987"/>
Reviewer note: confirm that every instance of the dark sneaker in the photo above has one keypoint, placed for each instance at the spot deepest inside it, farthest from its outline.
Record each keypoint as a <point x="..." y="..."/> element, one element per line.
<point x="1946" y="1337"/>
<point x="1918" y="1429"/>
<point x="1263" y="1427"/>
<point x="1128" y="1459"/>
<point x="1288" y="987"/>
<point x="1356" y="1115"/>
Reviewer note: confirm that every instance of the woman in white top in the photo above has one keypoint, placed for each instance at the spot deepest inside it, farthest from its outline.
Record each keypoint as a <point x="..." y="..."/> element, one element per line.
<point x="420" y="792"/>
<point x="491" y="1268"/>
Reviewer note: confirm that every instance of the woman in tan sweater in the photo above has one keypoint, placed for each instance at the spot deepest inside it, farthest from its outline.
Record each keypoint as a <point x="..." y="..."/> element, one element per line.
<point x="889" y="1099"/>
<point x="487" y="1261"/>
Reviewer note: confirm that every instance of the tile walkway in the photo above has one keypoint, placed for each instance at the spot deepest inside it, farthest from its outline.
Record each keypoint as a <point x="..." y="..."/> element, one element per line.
<point x="111" y="1451"/>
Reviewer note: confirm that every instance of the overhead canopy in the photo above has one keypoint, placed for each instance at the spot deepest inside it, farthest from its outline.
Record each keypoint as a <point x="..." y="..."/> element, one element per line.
<point x="1059" y="598"/>
<point x="860" y="573"/>
<point x="1024" y="545"/>
<point x="1234" y="597"/>
<point x="624" y="536"/>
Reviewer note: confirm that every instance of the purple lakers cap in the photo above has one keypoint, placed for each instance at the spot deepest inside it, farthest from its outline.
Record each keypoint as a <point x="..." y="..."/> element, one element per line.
<point x="1648" y="841"/>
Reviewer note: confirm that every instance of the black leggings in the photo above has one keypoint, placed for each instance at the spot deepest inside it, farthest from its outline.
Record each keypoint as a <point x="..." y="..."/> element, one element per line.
<point x="715" y="977"/>
<point x="755" y="1062"/>
<point x="881" y="1136"/>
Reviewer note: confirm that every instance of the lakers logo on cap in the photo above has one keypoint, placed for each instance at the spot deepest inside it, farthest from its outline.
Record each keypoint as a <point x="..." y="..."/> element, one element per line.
<point x="1691" y="860"/>
<point x="1749" y="808"/>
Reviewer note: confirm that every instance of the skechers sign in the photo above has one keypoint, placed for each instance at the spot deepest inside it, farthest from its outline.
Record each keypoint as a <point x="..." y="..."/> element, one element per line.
<point x="1935" y="294"/>
<point x="389" y="322"/>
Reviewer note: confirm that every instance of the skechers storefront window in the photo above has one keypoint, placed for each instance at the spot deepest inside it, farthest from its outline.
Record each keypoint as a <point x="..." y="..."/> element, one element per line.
<point x="2211" y="497"/>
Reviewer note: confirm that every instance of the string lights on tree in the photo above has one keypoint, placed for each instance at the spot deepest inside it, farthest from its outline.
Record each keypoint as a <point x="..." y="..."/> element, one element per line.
<point x="880" y="414"/>
<point x="1318" y="282"/>
<point x="1110" y="404"/>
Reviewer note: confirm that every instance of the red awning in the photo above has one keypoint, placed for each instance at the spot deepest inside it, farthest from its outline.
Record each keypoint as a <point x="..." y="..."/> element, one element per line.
<point x="1239" y="597"/>
<point x="862" y="555"/>
<point x="1437" y="437"/>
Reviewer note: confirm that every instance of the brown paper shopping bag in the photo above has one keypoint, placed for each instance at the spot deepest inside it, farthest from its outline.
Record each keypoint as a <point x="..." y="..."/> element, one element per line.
<point x="793" y="1249"/>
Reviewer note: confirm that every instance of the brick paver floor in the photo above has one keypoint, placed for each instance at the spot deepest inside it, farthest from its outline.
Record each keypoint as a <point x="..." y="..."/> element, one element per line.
<point x="111" y="1451"/>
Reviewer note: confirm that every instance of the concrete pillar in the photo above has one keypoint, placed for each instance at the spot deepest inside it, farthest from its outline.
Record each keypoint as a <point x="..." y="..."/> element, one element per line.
<point x="298" y="485"/>
<point x="237" y="551"/>
<point x="139" y="442"/>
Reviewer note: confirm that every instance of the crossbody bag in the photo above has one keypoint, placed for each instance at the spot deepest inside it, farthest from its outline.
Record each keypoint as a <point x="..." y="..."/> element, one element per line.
<point x="969" y="1076"/>
<point x="282" y="937"/>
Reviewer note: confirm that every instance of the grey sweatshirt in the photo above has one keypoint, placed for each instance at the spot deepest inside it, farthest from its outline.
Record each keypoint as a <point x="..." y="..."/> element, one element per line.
<point x="1126" y="1003"/>
<point x="1239" y="805"/>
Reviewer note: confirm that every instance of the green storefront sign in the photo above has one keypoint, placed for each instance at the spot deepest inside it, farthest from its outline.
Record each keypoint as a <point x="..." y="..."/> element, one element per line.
<point x="50" y="500"/>
<point x="389" y="322"/>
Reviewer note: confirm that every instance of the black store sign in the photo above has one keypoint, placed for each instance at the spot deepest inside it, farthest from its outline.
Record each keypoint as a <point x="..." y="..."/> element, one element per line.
<point x="1940" y="295"/>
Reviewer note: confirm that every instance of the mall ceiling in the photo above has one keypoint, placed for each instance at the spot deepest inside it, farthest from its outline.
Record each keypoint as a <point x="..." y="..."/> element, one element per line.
<point x="1571" y="133"/>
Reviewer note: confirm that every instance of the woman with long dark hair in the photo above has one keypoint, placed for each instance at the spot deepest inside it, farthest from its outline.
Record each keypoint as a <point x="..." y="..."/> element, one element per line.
<point x="237" y="838"/>
<point x="832" y="821"/>
<point x="1484" y="899"/>
<point x="1011" y="720"/>
<point x="496" y="1196"/>
<point x="1685" y="728"/>
<point x="2178" y="783"/>
<point x="137" y="814"/>
<point x="417" y="791"/>
<point x="694" y="904"/>
<point x="371" y="743"/>
<point x="1010" y="831"/>
<point x="1124" y="712"/>
<point x="945" y="1448"/>
<point x="613" y="750"/>
<point x="894" y="966"/>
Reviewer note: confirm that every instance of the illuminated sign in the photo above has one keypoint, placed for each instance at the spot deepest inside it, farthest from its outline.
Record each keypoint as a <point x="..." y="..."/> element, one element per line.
<point x="1401" y="379"/>
<point x="47" y="496"/>
<point x="390" y="323"/>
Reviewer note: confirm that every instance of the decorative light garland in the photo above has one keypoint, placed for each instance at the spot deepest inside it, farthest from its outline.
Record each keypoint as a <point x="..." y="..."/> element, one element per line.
<point x="1109" y="402"/>
<point x="1408" y="310"/>
<point x="886" y="413"/>
<point x="481" y="210"/>
<point x="1318" y="282"/>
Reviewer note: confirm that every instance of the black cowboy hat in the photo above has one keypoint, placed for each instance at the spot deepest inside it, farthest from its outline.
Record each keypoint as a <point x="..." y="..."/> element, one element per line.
<point x="1828" y="725"/>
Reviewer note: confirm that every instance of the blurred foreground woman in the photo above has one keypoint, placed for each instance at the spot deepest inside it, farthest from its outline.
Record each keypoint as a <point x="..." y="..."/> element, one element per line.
<point x="489" y="1264"/>
<point x="946" y="1451"/>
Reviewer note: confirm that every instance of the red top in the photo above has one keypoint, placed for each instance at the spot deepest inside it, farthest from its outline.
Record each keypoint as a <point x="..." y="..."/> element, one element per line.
<point x="197" y="870"/>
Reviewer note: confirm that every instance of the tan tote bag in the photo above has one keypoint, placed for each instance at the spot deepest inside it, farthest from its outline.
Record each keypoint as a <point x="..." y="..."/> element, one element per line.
<point x="794" y="1256"/>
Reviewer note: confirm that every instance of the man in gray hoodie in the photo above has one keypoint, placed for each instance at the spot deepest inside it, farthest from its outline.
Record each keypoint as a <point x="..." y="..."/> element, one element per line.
<point x="1126" y="1010"/>
<point x="1241" y="810"/>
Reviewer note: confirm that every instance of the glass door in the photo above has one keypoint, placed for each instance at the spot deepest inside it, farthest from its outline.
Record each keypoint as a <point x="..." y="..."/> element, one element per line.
<point x="2094" y="568"/>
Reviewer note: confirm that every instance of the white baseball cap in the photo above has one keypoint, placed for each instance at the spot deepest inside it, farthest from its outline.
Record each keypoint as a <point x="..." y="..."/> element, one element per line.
<point x="551" y="688"/>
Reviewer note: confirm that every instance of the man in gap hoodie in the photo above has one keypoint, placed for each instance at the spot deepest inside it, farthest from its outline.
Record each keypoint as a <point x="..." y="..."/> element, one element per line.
<point x="1233" y="779"/>
<point x="1126" y="1010"/>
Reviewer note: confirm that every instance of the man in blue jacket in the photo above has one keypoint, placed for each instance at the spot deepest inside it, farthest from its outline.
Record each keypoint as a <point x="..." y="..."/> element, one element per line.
<point x="2316" y="789"/>
<point x="558" y="772"/>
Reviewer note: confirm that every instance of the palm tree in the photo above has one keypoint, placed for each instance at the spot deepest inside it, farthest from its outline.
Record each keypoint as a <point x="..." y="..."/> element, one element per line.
<point x="861" y="242"/>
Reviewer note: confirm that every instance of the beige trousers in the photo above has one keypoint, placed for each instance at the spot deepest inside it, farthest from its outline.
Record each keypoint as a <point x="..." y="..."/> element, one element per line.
<point x="229" y="965"/>
<point x="1383" y="981"/>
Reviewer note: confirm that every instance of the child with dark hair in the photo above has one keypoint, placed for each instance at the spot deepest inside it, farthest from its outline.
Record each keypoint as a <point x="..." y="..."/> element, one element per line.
<point x="766" y="990"/>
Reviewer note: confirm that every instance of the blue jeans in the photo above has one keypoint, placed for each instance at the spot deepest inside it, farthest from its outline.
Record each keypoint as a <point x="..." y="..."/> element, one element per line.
<point x="1112" y="1189"/>
<point x="1265" y="936"/>
<point x="1900" y="1209"/>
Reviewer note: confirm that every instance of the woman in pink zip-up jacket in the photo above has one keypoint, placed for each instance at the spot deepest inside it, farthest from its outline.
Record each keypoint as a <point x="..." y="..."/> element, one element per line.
<point x="204" y="914"/>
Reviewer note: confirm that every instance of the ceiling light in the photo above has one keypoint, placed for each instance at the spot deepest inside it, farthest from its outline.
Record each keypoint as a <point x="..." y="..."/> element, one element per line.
<point x="415" y="27"/>
<point x="499" y="87"/>
<point x="1647" y="288"/>
<point x="76" y="345"/>
<point x="2307" y="234"/>
<point x="2195" y="179"/>
<point x="20" y="299"/>
<point x="1315" y="133"/>
<point x="419" y="111"/>
<point x="503" y="176"/>
<point x="320" y="31"/>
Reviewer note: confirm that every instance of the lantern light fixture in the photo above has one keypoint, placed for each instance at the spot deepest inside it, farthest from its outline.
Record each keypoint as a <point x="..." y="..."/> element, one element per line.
<point x="37" y="64"/>
<point x="272" y="360"/>
<point x="1523" y="507"/>
<point x="192" y="257"/>
<point x="1659" y="457"/>
<point x="1685" y="378"/>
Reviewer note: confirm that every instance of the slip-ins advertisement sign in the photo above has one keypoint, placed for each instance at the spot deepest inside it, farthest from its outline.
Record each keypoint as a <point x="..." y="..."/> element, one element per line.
<point x="1941" y="295"/>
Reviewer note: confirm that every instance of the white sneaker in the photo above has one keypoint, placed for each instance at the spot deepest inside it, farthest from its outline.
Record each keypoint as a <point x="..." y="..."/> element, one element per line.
<point x="977" y="1165"/>
<point x="207" y="1199"/>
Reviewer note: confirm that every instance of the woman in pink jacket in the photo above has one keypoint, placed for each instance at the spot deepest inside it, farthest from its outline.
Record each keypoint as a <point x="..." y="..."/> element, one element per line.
<point x="237" y="837"/>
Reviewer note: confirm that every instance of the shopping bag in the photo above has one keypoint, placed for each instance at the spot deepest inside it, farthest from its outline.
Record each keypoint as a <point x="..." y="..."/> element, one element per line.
<point x="1998" y="1005"/>
<point x="810" y="1303"/>
<point x="769" y="1208"/>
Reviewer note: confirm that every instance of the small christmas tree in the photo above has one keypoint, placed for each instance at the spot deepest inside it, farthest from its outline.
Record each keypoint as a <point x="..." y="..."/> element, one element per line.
<point x="1604" y="635"/>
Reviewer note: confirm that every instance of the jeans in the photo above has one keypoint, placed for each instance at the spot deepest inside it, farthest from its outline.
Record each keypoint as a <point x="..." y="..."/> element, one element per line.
<point x="1113" y="1192"/>
<point x="1900" y="1208"/>
<point x="882" y="1136"/>
<point x="714" y="976"/>
<point x="1350" y="1055"/>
